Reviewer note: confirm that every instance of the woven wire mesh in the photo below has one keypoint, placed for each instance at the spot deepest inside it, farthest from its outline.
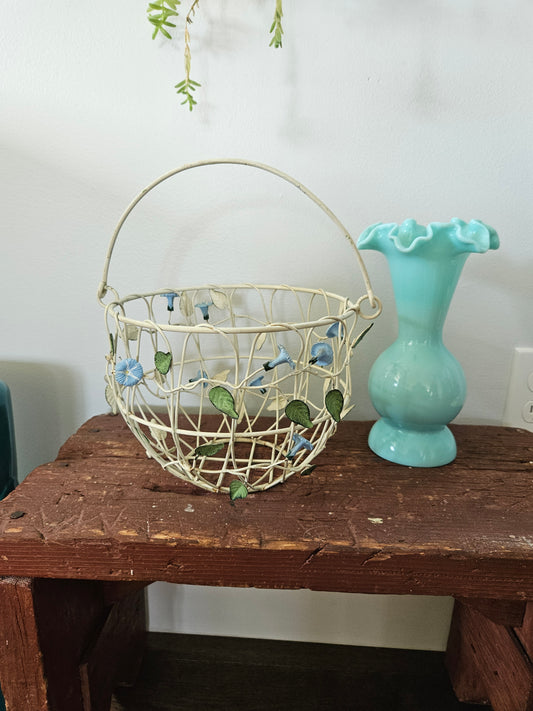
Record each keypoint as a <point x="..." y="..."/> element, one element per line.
<point x="172" y="415"/>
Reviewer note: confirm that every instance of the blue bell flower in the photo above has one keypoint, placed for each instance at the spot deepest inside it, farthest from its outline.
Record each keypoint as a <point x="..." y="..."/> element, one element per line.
<point x="334" y="330"/>
<point x="299" y="443"/>
<point x="170" y="299"/>
<point x="200" y="374"/>
<point x="321" y="354"/>
<point x="204" y="308"/>
<point x="283" y="357"/>
<point x="259" y="381"/>
<point x="128" y="372"/>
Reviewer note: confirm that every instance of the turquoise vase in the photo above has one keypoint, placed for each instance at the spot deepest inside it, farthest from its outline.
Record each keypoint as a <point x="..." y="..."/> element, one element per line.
<point x="416" y="385"/>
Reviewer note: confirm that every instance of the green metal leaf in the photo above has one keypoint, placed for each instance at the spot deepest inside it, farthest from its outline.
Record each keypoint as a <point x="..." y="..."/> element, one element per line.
<point x="237" y="490"/>
<point x="298" y="412"/>
<point x="334" y="403"/>
<point x="361" y="336"/>
<point x="208" y="450"/>
<point x="163" y="361"/>
<point x="223" y="400"/>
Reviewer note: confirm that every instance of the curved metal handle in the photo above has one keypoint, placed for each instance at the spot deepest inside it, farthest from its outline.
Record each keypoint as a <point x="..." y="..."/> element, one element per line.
<point x="103" y="286"/>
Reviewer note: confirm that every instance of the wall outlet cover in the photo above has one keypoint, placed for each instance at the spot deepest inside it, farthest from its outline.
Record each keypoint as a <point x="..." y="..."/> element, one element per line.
<point x="519" y="403"/>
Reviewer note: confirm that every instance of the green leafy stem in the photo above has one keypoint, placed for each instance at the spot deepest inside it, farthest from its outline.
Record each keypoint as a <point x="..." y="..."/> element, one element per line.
<point x="161" y="14"/>
<point x="186" y="88"/>
<point x="158" y="16"/>
<point x="276" y="29"/>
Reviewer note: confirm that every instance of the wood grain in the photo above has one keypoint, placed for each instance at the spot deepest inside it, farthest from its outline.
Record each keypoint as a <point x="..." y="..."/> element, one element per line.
<point x="502" y="612"/>
<point x="524" y="631"/>
<point x="488" y="659"/>
<point x="104" y="511"/>
<point x="116" y="652"/>
<point x="23" y="676"/>
<point x="46" y="625"/>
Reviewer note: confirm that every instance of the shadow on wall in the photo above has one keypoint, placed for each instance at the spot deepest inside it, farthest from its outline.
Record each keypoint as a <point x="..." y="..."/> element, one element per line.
<point x="46" y="398"/>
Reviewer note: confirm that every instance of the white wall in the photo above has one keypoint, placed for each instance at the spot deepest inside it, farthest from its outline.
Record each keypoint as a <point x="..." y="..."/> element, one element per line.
<point x="386" y="110"/>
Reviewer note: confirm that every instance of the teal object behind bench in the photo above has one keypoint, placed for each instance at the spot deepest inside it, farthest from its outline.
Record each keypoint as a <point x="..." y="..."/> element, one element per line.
<point x="8" y="459"/>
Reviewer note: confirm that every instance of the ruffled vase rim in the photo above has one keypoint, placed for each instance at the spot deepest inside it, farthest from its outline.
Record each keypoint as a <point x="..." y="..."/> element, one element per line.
<point x="409" y="236"/>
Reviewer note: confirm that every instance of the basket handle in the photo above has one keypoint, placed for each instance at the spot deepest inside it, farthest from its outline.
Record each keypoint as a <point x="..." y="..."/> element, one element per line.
<point x="103" y="286"/>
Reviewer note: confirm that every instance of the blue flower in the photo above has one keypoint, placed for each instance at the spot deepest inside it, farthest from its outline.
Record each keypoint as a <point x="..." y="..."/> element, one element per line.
<point x="321" y="354"/>
<point x="170" y="299"/>
<point x="283" y="357"/>
<point x="299" y="443"/>
<point x="204" y="308"/>
<point x="334" y="330"/>
<point x="258" y="381"/>
<point x="128" y="372"/>
<point x="200" y="374"/>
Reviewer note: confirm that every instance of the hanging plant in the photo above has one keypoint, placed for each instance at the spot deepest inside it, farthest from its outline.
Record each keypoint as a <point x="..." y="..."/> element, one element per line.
<point x="161" y="14"/>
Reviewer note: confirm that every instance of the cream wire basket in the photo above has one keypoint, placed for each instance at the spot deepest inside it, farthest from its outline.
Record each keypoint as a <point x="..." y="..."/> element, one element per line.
<point x="236" y="387"/>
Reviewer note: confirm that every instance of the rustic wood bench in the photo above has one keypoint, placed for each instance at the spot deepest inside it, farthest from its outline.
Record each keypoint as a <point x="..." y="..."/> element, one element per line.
<point x="82" y="536"/>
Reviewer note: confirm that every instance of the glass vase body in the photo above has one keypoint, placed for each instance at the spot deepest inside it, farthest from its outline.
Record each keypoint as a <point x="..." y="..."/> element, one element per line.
<point x="417" y="386"/>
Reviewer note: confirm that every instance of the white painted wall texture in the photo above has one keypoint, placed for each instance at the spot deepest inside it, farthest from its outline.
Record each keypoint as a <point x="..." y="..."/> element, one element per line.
<point x="386" y="110"/>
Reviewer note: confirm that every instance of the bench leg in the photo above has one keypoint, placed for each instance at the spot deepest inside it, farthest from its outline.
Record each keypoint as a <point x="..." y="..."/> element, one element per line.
<point x="115" y="655"/>
<point x="487" y="661"/>
<point x="21" y="665"/>
<point x="62" y="643"/>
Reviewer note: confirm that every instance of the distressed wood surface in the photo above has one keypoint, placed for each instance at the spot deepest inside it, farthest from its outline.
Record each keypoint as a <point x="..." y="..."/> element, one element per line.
<point x="104" y="511"/>
<point x="524" y="632"/>
<point x="461" y="659"/>
<point x="19" y="633"/>
<point x="45" y="626"/>
<point x="503" y="612"/>
<point x="486" y="659"/>
<point x="116" y="652"/>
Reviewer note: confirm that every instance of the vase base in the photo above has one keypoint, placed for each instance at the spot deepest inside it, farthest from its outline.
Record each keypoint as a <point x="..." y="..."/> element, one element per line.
<point x="412" y="448"/>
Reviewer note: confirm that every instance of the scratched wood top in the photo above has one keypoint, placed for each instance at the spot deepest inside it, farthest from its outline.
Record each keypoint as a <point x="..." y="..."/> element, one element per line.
<point x="103" y="510"/>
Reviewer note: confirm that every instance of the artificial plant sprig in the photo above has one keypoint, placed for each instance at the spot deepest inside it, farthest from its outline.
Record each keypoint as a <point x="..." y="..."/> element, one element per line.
<point x="186" y="88"/>
<point x="158" y="13"/>
<point x="276" y="29"/>
<point x="188" y="85"/>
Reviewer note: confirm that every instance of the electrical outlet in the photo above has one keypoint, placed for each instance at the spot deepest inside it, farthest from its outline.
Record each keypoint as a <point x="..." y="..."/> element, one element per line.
<point x="519" y="403"/>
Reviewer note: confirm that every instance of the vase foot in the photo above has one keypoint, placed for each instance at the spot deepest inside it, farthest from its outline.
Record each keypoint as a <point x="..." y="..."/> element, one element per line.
<point x="410" y="447"/>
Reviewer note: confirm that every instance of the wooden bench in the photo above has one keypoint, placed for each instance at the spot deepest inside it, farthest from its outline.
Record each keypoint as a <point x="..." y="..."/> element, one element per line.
<point x="82" y="536"/>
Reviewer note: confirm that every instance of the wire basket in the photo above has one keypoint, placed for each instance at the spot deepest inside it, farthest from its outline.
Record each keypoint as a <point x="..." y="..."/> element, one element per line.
<point x="232" y="388"/>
